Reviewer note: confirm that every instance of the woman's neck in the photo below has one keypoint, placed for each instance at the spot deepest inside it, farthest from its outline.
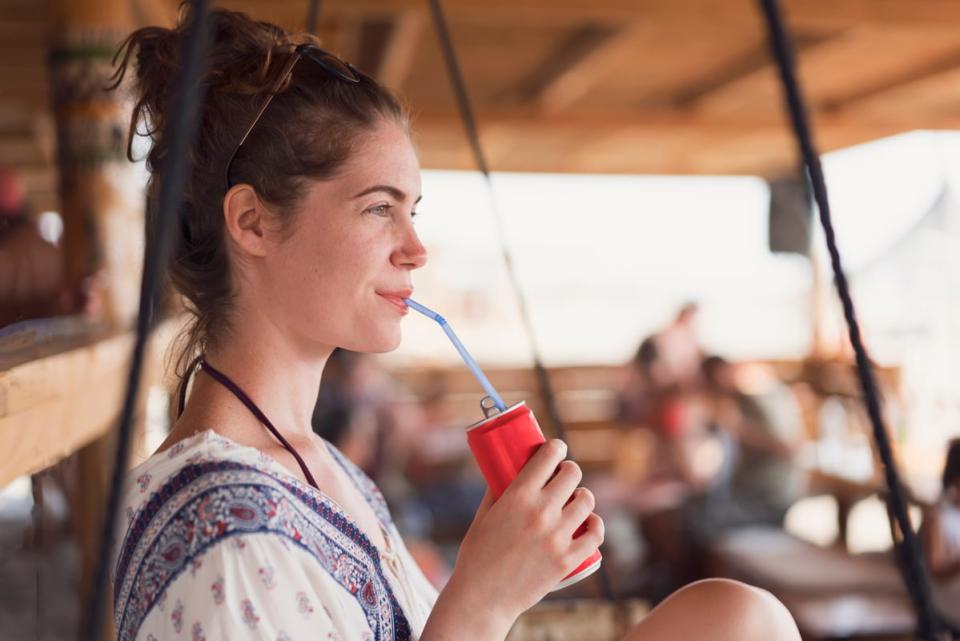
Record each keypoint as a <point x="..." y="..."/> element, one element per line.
<point x="280" y="377"/>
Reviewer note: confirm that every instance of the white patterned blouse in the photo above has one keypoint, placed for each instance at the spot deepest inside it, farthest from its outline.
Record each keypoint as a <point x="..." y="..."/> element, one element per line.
<point x="224" y="543"/>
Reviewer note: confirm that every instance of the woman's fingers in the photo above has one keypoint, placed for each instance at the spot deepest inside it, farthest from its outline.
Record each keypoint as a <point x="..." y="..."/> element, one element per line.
<point x="577" y="510"/>
<point x="584" y="545"/>
<point x="541" y="465"/>
<point x="565" y="481"/>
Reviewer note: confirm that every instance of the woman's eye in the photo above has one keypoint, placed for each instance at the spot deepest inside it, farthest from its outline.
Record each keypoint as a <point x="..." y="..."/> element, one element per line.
<point x="380" y="210"/>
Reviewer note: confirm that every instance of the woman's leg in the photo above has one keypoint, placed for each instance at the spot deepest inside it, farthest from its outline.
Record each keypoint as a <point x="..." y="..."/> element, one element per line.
<point x="717" y="610"/>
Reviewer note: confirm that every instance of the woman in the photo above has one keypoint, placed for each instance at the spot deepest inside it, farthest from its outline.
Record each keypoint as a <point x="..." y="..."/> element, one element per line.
<point x="297" y="237"/>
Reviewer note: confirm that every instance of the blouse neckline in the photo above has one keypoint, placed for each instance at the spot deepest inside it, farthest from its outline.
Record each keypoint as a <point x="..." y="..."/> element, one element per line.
<point x="278" y="468"/>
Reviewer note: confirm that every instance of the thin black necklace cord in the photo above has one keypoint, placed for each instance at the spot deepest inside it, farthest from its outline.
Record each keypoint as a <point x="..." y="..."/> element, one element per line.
<point x="181" y="131"/>
<point x="470" y="124"/>
<point x="916" y="573"/>
<point x="235" y="389"/>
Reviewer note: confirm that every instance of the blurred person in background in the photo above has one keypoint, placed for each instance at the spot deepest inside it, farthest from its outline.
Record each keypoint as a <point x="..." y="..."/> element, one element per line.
<point x="31" y="269"/>
<point x="764" y="425"/>
<point x="679" y="347"/>
<point x="653" y="398"/>
<point x="940" y="535"/>
<point x="665" y="362"/>
<point x="644" y="380"/>
<point x="669" y="432"/>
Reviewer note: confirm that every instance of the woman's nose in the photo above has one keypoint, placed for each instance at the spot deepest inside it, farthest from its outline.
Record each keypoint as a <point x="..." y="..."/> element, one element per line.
<point x="411" y="254"/>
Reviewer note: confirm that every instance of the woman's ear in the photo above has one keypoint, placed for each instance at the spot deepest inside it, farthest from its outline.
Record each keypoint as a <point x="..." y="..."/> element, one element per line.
<point x="245" y="219"/>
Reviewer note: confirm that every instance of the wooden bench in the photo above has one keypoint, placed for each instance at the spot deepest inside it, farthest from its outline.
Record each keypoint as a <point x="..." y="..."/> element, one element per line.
<point x="578" y="620"/>
<point x="61" y="386"/>
<point x="832" y="594"/>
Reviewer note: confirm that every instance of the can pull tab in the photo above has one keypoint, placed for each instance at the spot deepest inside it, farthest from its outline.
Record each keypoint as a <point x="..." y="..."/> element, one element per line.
<point x="488" y="406"/>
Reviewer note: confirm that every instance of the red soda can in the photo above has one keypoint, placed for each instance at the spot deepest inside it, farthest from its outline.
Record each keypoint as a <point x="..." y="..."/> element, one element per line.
<point x="502" y="444"/>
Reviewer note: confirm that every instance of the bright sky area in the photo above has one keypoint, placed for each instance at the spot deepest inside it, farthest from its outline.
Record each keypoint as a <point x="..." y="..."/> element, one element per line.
<point x="604" y="260"/>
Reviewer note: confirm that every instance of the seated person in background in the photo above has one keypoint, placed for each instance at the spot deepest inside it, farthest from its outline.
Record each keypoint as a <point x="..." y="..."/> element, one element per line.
<point x="766" y="425"/>
<point x="679" y="347"/>
<point x="940" y="535"/>
<point x="675" y="417"/>
<point x="637" y="397"/>
<point x="672" y="458"/>
<point x="665" y="360"/>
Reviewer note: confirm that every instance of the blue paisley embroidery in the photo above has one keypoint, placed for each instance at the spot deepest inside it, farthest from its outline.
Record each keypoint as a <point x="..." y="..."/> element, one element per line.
<point x="207" y="503"/>
<point x="365" y="484"/>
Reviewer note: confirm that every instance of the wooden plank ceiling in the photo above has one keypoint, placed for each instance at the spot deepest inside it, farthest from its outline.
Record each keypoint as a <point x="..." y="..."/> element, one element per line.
<point x="624" y="86"/>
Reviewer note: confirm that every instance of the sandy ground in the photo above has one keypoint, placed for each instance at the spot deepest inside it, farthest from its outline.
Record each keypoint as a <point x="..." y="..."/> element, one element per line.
<point x="38" y="588"/>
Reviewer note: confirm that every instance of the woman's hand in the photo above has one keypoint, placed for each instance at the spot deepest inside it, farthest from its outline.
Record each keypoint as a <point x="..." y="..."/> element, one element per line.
<point x="521" y="546"/>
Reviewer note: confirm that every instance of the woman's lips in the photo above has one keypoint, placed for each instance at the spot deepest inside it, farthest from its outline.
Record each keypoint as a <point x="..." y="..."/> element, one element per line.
<point x="397" y="301"/>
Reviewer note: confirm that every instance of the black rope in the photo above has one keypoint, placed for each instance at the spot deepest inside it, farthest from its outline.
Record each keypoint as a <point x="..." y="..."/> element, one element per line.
<point x="916" y="574"/>
<point x="313" y="16"/>
<point x="470" y="124"/>
<point x="36" y="513"/>
<point x="180" y="130"/>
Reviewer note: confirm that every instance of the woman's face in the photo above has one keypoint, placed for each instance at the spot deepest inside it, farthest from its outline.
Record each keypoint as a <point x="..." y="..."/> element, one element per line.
<point x="339" y="278"/>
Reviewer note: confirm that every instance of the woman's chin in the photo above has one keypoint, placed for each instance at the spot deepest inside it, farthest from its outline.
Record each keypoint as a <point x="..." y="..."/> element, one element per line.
<point x="375" y="344"/>
<point x="383" y="349"/>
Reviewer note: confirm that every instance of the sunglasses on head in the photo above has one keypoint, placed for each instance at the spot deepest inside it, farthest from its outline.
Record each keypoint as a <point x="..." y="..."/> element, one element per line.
<point x="326" y="60"/>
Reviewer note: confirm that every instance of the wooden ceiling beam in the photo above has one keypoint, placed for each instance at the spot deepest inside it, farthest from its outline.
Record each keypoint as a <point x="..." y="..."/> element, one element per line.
<point x="652" y="144"/>
<point x="554" y="12"/>
<point x="750" y="62"/>
<point x="569" y="57"/>
<point x="387" y="44"/>
<point x="590" y="61"/>
<point x="159" y="13"/>
<point x="668" y="119"/>
<point x="372" y="35"/>
<point x="922" y="73"/>
<point x="397" y="60"/>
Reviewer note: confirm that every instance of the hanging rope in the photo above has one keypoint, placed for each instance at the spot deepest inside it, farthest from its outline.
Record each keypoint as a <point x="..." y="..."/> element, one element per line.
<point x="181" y="130"/>
<point x="36" y="514"/>
<point x="470" y="124"/>
<point x="916" y="574"/>
<point x="313" y="16"/>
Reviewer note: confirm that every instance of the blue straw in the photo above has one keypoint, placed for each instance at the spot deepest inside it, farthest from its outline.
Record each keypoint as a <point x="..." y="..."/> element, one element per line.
<point x="464" y="354"/>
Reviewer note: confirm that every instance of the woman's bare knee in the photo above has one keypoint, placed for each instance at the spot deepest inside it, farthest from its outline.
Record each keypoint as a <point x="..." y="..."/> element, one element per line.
<point x="718" y="610"/>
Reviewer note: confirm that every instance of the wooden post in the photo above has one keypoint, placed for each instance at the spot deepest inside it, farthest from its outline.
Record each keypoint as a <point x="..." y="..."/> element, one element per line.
<point x="91" y="474"/>
<point x="101" y="197"/>
<point x="101" y="202"/>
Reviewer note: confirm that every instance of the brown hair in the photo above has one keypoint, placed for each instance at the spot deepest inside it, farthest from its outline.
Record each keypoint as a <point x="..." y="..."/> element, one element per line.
<point x="308" y="131"/>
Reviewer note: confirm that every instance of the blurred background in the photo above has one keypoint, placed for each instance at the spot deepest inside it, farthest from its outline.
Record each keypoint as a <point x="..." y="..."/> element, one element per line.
<point x="680" y="296"/>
